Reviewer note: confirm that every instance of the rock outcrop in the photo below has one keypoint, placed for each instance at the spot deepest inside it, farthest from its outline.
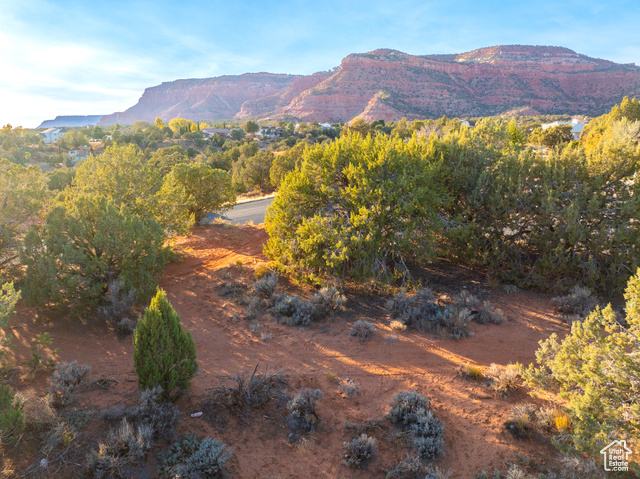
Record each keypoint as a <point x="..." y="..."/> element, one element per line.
<point x="71" y="121"/>
<point x="202" y="99"/>
<point x="388" y="84"/>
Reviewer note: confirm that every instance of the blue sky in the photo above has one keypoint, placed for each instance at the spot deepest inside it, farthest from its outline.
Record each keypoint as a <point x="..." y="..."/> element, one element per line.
<point x="78" y="57"/>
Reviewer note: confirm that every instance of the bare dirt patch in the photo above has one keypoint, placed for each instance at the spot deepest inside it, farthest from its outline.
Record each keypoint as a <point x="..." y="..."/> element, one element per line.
<point x="390" y="362"/>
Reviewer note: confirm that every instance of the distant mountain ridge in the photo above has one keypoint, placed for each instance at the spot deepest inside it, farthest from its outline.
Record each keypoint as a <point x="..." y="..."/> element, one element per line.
<point x="71" y="121"/>
<point x="389" y="84"/>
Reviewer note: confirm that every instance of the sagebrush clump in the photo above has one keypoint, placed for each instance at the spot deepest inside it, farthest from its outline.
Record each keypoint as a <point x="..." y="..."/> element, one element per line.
<point x="291" y="310"/>
<point x="250" y="392"/>
<point x="302" y="416"/>
<point x="359" y="451"/>
<point x="327" y="302"/>
<point x="504" y="379"/>
<point x="521" y="421"/>
<point x="154" y="413"/>
<point x="363" y="330"/>
<point x="192" y="458"/>
<point x="412" y="467"/>
<point x="265" y="286"/>
<point x="579" y="302"/>
<point x="65" y="381"/>
<point x="118" y="303"/>
<point x="124" y="448"/>
<point x="424" y="431"/>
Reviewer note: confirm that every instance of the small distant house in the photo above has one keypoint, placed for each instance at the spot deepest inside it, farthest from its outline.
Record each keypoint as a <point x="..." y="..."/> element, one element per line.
<point x="50" y="135"/>
<point x="80" y="153"/>
<point x="576" y="127"/>
<point x="209" y="132"/>
<point x="468" y="123"/>
<point x="326" y="126"/>
<point x="271" y="132"/>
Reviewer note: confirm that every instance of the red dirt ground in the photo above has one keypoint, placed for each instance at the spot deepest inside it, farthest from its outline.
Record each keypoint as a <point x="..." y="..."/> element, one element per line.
<point x="474" y="417"/>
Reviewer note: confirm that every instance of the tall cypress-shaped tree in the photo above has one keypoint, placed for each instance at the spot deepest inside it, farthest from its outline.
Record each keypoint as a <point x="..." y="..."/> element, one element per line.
<point x="165" y="354"/>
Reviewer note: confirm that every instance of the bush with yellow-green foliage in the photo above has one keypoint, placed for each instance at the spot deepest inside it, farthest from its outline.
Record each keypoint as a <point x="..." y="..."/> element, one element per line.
<point x="368" y="208"/>
<point x="357" y="208"/>
<point x="549" y="222"/>
<point x="85" y="243"/>
<point x="595" y="369"/>
<point x="23" y="195"/>
<point x="164" y="354"/>
<point x="167" y="188"/>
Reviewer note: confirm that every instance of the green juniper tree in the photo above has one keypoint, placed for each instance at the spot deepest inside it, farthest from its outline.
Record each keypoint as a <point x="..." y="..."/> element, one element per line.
<point x="165" y="354"/>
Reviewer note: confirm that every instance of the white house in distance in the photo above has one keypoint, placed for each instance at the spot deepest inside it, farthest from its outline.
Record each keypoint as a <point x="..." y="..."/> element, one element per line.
<point x="79" y="153"/>
<point x="52" y="134"/>
<point x="209" y="132"/>
<point x="576" y="130"/>
<point x="271" y="132"/>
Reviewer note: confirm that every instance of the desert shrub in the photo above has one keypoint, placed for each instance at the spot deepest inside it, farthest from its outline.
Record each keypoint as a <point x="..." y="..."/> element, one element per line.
<point x="423" y="430"/>
<point x="546" y="418"/>
<point x="515" y="472"/>
<point x="412" y="467"/>
<point x="421" y="312"/>
<point x="164" y="354"/>
<point x="595" y="369"/>
<point x="350" y="389"/>
<point x="302" y="416"/>
<point x="192" y="458"/>
<point x="332" y="377"/>
<point x="363" y="330"/>
<point x="471" y="371"/>
<point x="454" y="321"/>
<point x="464" y="299"/>
<point x="254" y="307"/>
<point x="359" y="451"/>
<point x="118" y="302"/>
<point x="326" y="302"/>
<point x="578" y="467"/>
<point x="521" y="420"/>
<point x="562" y="422"/>
<point x="397" y="326"/>
<point x="265" y="286"/>
<point x="503" y="378"/>
<point x="413" y="311"/>
<point x="125" y="447"/>
<point x="482" y="312"/>
<point x="125" y="327"/>
<point x="65" y="381"/>
<point x="406" y="406"/>
<point x="42" y="355"/>
<point x="38" y="411"/>
<point x="155" y="413"/>
<point x="232" y="289"/>
<point x="579" y="302"/>
<point x="292" y="310"/>
<point x="249" y="393"/>
<point x="426" y="435"/>
<point x="487" y="313"/>
<point x="59" y="436"/>
<point x="11" y="416"/>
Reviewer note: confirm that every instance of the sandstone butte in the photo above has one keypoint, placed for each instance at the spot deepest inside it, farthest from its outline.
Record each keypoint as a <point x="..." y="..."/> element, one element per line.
<point x="388" y="84"/>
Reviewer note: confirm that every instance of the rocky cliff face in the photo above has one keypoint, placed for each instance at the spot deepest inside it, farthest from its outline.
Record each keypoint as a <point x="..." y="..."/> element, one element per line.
<point x="71" y="121"/>
<point x="388" y="84"/>
<point x="202" y="99"/>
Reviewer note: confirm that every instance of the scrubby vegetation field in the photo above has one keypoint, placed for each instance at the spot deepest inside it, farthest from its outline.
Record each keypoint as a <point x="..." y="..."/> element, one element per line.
<point x="424" y="300"/>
